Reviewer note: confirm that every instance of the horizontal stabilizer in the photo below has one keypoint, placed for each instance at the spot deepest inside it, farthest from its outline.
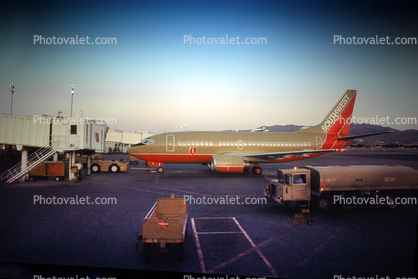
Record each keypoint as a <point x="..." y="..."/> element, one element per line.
<point x="363" y="136"/>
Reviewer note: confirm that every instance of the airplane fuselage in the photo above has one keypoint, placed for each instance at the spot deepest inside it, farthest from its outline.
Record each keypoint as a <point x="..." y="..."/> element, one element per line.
<point x="199" y="147"/>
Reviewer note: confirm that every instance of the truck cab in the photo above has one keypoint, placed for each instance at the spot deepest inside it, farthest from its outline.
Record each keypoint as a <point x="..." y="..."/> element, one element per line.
<point x="290" y="185"/>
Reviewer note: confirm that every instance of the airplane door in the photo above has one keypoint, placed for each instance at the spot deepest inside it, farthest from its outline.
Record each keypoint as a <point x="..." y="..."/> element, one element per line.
<point x="240" y="144"/>
<point x="170" y="143"/>
<point x="318" y="142"/>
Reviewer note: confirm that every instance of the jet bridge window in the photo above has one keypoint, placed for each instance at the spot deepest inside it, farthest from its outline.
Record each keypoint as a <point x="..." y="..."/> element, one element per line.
<point x="299" y="178"/>
<point x="73" y="129"/>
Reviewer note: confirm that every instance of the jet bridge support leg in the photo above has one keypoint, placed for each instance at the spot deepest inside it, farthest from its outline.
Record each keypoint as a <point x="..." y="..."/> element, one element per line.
<point x="71" y="162"/>
<point x="88" y="164"/>
<point x="24" y="163"/>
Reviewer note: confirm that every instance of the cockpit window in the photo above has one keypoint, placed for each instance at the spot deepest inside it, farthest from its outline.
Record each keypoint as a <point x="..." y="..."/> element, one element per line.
<point x="147" y="141"/>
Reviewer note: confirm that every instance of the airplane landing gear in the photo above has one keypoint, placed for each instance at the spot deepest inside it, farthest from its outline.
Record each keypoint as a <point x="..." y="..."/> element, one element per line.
<point x="257" y="170"/>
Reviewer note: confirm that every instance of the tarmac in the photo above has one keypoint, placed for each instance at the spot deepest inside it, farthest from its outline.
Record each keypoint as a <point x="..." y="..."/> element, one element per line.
<point x="232" y="229"/>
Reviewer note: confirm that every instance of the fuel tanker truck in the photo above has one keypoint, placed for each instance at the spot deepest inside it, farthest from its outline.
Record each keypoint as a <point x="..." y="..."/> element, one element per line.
<point x="348" y="186"/>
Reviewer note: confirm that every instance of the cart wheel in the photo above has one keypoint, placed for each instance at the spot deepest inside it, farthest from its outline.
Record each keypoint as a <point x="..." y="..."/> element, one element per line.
<point x="95" y="168"/>
<point x="57" y="178"/>
<point x="160" y="169"/>
<point x="114" y="168"/>
<point x="310" y="222"/>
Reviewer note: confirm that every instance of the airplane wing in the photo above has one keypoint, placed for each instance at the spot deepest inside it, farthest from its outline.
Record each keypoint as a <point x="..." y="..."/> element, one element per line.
<point x="266" y="157"/>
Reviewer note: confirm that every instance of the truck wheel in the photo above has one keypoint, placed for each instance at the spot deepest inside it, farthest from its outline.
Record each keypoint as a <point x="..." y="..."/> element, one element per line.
<point x="57" y="178"/>
<point x="114" y="168"/>
<point x="95" y="168"/>
<point x="391" y="203"/>
<point x="323" y="204"/>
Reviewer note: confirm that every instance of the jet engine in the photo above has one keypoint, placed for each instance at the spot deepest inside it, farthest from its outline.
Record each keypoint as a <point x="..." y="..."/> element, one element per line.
<point x="228" y="163"/>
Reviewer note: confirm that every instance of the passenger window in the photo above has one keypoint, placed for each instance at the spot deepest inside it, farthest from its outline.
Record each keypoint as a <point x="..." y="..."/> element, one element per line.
<point x="281" y="178"/>
<point x="299" y="178"/>
<point x="288" y="179"/>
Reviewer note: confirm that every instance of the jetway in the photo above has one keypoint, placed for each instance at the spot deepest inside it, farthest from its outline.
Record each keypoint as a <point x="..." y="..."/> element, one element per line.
<point x="56" y="134"/>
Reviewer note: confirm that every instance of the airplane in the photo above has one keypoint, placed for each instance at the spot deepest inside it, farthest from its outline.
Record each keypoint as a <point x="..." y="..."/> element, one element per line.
<point x="238" y="151"/>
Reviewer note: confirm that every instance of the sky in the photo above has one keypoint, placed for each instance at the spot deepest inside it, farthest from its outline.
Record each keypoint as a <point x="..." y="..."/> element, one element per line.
<point x="152" y="77"/>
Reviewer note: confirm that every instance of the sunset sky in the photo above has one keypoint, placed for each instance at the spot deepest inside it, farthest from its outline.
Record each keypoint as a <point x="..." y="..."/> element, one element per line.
<point x="151" y="79"/>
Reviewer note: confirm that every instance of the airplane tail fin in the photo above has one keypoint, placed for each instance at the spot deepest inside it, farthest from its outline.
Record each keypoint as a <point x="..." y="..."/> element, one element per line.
<point x="337" y="121"/>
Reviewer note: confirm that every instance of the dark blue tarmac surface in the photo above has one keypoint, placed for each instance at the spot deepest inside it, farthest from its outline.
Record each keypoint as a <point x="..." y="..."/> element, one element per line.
<point x="257" y="240"/>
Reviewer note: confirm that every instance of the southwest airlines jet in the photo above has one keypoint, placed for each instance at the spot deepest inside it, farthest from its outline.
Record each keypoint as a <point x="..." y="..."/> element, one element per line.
<point x="238" y="151"/>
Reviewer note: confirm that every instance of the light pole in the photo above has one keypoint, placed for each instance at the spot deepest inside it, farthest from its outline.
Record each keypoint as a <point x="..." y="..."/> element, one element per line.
<point x="72" y="94"/>
<point x="12" y="90"/>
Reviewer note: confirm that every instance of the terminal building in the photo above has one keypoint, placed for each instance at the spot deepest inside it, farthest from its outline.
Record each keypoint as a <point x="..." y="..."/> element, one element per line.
<point x="120" y="141"/>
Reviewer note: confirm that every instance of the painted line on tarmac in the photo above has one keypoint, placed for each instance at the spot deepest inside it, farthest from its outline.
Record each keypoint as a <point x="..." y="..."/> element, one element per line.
<point x="199" y="248"/>
<point x="242" y="231"/>
<point x="319" y="248"/>
<point x="252" y="249"/>
<point x="272" y="270"/>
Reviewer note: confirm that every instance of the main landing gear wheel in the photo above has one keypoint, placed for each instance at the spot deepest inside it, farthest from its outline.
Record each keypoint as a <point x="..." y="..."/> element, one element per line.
<point x="257" y="170"/>
<point x="160" y="169"/>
